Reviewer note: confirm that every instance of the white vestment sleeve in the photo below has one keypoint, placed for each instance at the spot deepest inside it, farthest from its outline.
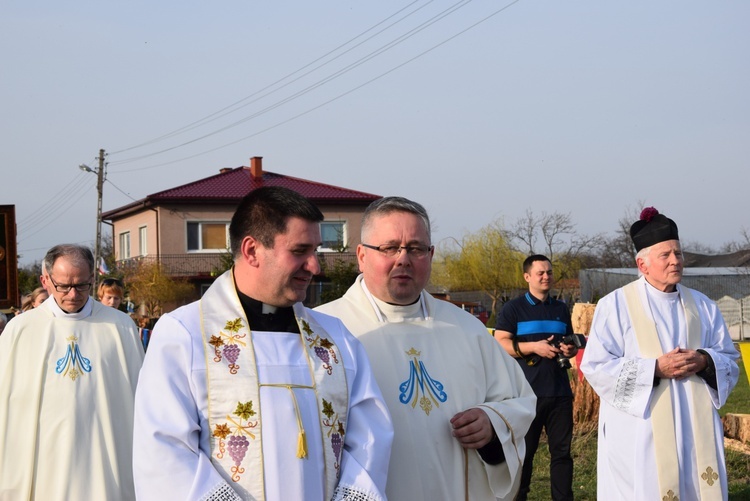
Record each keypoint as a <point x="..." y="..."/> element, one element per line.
<point x="717" y="342"/>
<point x="168" y="460"/>
<point x="369" y="433"/>
<point x="625" y="383"/>
<point x="511" y="407"/>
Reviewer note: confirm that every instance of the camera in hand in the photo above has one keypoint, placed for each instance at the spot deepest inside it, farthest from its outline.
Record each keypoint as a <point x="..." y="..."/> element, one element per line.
<point x="577" y="340"/>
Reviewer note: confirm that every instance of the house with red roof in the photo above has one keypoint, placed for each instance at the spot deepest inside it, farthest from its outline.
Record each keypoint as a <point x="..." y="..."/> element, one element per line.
<point x="186" y="228"/>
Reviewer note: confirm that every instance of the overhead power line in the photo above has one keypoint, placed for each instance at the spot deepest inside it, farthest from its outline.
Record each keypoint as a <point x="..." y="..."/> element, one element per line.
<point x="330" y="77"/>
<point x="234" y="106"/>
<point x="70" y="202"/>
<point x="377" y="52"/>
<point x="54" y="204"/>
<point x="118" y="189"/>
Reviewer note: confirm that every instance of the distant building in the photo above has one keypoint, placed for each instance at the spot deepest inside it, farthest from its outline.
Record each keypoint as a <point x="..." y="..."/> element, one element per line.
<point x="186" y="228"/>
<point x="728" y="286"/>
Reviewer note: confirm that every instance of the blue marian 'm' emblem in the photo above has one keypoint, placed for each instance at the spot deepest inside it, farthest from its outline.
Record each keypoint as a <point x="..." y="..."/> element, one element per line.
<point x="419" y="379"/>
<point x="72" y="363"/>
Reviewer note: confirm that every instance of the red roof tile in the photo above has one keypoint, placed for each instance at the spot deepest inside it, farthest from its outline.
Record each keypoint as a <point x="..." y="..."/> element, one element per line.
<point x="230" y="185"/>
<point x="235" y="183"/>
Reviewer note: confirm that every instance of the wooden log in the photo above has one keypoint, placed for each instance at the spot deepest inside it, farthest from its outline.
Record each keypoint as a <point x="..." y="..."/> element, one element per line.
<point x="585" y="399"/>
<point x="581" y="317"/>
<point x="737" y="426"/>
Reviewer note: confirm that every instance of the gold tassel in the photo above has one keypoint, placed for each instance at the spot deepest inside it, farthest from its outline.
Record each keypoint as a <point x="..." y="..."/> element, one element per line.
<point x="301" y="445"/>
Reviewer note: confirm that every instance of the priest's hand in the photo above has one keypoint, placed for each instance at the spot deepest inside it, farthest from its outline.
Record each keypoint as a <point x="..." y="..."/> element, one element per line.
<point x="472" y="428"/>
<point x="695" y="362"/>
<point x="679" y="363"/>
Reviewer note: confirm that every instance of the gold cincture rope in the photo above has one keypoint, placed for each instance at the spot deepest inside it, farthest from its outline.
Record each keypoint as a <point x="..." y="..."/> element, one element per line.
<point x="301" y="440"/>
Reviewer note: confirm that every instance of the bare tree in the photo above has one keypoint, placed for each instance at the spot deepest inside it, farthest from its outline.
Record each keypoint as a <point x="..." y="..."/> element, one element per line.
<point x="524" y="231"/>
<point x="555" y="228"/>
<point x="742" y="244"/>
<point x="619" y="251"/>
<point x="562" y="242"/>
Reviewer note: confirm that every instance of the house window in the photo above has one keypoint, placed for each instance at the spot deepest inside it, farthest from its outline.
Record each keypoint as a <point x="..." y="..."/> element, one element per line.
<point x="142" y="242"/>
<point x="333" y="234"/>
<point x="207" y="236"/>
<point x="125" y="245"/>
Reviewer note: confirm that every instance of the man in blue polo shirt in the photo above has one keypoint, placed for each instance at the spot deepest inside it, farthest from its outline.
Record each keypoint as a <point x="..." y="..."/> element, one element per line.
<point x="530" y="328"/>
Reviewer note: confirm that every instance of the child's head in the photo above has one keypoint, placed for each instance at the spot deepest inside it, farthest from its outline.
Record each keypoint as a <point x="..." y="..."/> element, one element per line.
<point x="143" y="322"/>
<point x="110" y="292"/>
<point x="37" y="297"/>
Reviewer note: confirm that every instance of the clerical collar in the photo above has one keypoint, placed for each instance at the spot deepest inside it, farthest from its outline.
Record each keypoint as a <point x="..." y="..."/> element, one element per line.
<point x="387" y="312"/>
<point x="76" y="315"/>
<point x="657" y="293"/>
<point x="265" y="317"/>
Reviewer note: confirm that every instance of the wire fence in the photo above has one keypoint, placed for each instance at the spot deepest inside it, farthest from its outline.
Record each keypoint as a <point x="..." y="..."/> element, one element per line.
<point x="728" y="287"/>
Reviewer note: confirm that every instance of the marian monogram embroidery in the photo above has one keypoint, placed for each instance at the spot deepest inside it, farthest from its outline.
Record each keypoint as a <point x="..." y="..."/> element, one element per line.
<point x="227" y="344"/>
<point x="420" y="381"/>
<point x="323" y="347"/>
<point x="73" y="364"/>
<point x="238" y="430"/>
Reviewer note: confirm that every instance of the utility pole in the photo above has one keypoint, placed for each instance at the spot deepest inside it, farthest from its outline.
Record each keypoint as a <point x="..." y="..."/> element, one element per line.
<point x="99" y="191"/>
<point x="100" y="176"/>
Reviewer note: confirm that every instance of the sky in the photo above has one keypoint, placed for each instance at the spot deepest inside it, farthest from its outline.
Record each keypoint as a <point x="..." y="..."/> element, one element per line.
<point x="479" y="110"/>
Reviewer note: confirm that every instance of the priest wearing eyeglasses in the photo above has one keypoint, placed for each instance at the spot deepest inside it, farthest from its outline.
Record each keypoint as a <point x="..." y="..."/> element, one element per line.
<point x="68" y="373"/>
<point x="460" y="405"/>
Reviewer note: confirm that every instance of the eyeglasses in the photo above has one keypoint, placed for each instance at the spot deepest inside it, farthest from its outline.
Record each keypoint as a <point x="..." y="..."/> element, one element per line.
<point x="108" y="282"/>
<point x="415" y="251"/>
<point x="65" y="288"/>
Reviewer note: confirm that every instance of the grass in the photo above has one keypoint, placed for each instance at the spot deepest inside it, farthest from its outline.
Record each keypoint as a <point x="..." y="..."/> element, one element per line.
<point x="739" y="400"/>
<point x="584" y="456"/>
<point x="584" y="474"/>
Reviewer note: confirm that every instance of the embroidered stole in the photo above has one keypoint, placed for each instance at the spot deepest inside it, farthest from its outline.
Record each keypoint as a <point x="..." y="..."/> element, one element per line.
<point x="234" y="406"/>
<point x="662" y="420"/>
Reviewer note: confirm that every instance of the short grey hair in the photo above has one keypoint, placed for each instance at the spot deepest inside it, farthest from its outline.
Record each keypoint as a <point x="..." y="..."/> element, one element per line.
<point x="644" y="254"/>
<point x="389" y="205"/>
<point x="78" y="255"/>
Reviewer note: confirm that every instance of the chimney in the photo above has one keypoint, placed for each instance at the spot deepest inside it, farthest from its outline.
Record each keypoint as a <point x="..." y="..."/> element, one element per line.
<point x="256" y="168"/>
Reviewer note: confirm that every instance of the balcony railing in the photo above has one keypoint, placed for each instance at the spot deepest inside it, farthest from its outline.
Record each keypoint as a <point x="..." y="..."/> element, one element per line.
<point x="210" y="264"/>
<point x="181" y="265"/>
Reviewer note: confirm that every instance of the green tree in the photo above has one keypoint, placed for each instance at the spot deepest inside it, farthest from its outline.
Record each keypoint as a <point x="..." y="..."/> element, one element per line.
<point x="226" y="261"/>
<point x="28" y="277"/>
<point x="108" y="255"/>
<point x="341" y="275"/>
<point x="151" y="287"/>
<point x="482" y="261"/>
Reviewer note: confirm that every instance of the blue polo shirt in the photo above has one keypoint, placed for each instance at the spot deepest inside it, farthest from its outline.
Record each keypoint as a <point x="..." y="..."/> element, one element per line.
<point x="530" y="319"/>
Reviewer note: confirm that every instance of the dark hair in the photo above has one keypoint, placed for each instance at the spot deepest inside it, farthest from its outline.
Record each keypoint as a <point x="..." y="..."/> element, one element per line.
<point x="78" y="255"/>
<point x="388" y="205"/>
<point x="264" y="213"/>
<point x="529" y="261"/>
